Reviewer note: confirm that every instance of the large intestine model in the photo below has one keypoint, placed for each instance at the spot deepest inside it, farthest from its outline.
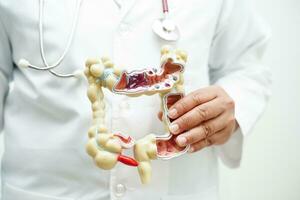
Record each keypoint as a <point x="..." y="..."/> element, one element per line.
<point x="105" y="147"/>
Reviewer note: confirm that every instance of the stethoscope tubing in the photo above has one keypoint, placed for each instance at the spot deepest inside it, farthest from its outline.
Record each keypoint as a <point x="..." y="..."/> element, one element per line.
<point x="165" y="6"/>
<point x="70" y="37"/>
<point x="47" y="66"/>
<point x="50" y="67"/>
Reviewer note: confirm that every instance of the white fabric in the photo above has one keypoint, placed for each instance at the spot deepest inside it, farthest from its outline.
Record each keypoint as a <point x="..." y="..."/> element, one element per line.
<point x="46" y="118"/>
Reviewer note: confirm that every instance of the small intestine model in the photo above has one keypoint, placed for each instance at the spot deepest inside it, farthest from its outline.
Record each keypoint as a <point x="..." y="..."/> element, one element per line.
<point x="106" y="147"/>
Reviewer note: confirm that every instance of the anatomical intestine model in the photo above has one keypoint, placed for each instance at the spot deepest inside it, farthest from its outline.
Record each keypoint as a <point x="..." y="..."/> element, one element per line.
<point x="105" y="147"/>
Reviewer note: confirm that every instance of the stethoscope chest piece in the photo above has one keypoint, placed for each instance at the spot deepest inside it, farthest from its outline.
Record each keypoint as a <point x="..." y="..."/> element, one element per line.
<point x="165" y="27"/>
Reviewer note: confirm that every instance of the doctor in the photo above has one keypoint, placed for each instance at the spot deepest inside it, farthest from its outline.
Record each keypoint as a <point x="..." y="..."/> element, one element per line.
<point x="45" y="118"/>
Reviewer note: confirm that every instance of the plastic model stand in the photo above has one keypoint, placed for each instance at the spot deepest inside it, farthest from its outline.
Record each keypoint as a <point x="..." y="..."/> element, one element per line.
<point x="106" y="147"/>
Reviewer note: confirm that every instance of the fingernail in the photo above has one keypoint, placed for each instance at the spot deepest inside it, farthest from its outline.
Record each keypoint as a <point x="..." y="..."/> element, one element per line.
<point x="181" y="141"/>
<point x="174" y="128"/>
<point x="191" y="150"/>
<point x="172" y="113"/>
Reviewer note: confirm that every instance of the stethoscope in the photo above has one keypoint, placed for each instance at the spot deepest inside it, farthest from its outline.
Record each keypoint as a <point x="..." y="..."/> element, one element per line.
<point x="164" y="27"/>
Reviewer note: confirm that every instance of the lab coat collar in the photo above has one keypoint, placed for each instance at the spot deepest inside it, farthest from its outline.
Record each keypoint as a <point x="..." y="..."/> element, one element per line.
<point x="126" y="6"/>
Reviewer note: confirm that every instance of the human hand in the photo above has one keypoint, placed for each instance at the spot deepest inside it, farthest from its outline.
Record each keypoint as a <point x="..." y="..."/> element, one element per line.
<point x="203" y="118"/>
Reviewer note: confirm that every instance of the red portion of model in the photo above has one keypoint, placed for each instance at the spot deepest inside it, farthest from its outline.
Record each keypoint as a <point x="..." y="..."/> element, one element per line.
<point x="127" y="160"/>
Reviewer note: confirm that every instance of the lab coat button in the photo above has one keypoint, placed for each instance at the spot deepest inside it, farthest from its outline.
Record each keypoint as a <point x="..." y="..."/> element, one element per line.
<point x="124" y="29"/>
<point x="120" y="190"/>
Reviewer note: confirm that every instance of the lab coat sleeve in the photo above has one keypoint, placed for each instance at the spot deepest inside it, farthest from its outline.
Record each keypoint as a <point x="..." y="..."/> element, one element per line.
<point x="235" y="65"/>
<point x="6" y="67"/>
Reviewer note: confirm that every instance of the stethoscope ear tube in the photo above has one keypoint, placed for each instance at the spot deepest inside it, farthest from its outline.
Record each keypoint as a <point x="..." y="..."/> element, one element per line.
<point x="23" y="63"/>
<point x="26" y="64"/>
<point x="165" y="28"/>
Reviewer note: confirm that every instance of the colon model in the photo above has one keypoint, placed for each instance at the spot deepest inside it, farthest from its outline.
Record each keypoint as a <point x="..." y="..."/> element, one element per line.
<point x="105" y="147"/>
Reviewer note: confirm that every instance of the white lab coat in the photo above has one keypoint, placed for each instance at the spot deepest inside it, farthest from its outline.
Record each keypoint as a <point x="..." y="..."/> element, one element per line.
<point x="45" y="119"/>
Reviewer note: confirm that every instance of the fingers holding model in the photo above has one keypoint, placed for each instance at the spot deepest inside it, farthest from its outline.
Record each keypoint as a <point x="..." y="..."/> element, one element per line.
<point x="203" y="118"/>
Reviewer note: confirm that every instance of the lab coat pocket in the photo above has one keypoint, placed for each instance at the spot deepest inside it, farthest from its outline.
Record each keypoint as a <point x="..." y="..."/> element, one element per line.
<point x="11" y="192"/>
